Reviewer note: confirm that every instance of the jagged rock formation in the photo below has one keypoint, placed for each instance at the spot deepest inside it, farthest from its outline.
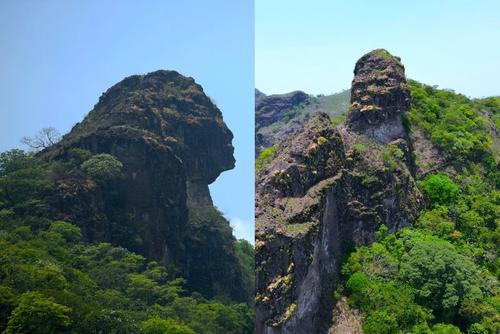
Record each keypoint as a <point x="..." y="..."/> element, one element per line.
<point x="379" y="97"/>
<point x="172" y="142"/>
<point x="273" y="106"/>
<point x="326" y="190"/>
<point x="271" y="109"/>
<point x="277" y="116"/>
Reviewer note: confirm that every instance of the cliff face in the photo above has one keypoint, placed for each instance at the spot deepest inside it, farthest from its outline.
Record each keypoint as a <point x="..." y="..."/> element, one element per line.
<point x="172" y="142"/>
<point x="379" y="97"/>
<point x="326" y="190"/>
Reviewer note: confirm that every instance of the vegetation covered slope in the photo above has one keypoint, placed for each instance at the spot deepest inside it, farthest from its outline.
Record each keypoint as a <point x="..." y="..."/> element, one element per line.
<point x="440" y="276"/>
<point x="112" y="230"/>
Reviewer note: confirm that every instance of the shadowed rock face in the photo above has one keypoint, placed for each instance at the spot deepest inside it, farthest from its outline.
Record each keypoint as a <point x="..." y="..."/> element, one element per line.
<point x="172" y="142"/>
<point x="379" y="97"/>
<point x="326" y="190"/>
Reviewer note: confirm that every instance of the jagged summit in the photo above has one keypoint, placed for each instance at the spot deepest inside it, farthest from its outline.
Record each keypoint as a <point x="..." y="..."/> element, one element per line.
<point x="379" y="97"/>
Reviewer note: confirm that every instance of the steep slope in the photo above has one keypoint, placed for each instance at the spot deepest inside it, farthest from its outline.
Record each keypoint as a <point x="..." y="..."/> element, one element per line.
<point x="172" y="143"/>
<point x="326" y="190"/>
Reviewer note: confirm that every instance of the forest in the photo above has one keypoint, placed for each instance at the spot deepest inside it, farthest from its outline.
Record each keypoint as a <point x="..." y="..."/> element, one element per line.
<point x="52" y="281"/>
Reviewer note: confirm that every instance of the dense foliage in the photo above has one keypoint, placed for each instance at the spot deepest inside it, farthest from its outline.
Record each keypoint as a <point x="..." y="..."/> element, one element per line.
<point x="51" y="281"/>
<point x="440" y="189"/>
<point x="442" y="275"/>
<point x="451" y="121"/>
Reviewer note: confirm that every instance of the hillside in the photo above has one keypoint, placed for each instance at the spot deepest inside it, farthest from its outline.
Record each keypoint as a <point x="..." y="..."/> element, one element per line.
<point x="387" y="222"/>
<point x="113" y="230"/>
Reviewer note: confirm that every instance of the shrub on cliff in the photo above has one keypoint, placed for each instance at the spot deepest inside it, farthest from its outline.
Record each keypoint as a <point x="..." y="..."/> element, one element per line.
<point x="102" y="166"/>
<point x="264" y="157"/>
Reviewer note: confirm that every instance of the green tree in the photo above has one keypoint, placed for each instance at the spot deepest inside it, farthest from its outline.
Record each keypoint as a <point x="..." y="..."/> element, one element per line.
<point x="38" y="314"/>
<point x="477" y="329"/>
<point x="264" y="158"/>
<point x="12" y="160"/>
<point x="69" y="232"/>
<point x="7" y="304"/>
<point x="245" y="253"/>
<point x="445" y="329"/>
<point x="381" y="322"/>
<point x="165" y="326"/>
<point x="440" y="277"/>
<point x="440" y="189"/>
<point x="437" y="221"/>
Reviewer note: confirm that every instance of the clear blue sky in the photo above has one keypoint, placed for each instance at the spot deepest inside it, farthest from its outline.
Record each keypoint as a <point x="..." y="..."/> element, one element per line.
<point x="313" y="45"/>
<point x="57" y="57"/>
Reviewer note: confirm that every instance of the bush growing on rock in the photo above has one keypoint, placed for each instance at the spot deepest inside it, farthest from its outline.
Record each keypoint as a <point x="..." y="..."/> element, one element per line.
<point x="102" y="166"/>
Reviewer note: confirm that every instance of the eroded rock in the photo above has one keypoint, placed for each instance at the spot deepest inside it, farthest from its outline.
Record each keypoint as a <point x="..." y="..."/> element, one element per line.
<point x="379" y="97"/>
<point x="326" y="190"/>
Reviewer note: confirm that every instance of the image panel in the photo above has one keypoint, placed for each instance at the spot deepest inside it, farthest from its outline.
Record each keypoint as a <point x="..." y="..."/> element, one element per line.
<point x="377" y="167"/>
<point x="127" y="167"/>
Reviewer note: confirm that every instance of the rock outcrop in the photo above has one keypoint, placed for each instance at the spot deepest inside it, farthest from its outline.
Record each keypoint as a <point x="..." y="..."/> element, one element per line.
<point x="271" y="109"/>
<point x="379" y="97"/>
<point x="287" y="113"/>
<point x="172" y="142"/>
<point x="326" y="190"/>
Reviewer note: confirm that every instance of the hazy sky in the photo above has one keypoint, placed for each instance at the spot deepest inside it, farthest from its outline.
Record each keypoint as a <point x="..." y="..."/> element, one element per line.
<point x="313" y="45"/>
<point x="57" y="57"/>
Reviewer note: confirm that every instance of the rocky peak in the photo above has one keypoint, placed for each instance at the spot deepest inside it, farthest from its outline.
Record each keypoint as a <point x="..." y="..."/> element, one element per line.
<point x="270" y="108"/>
<point x="259" y="94"/>
<point x="379" y="97"/>
<point x="170" y="110"/>
<point x="172" y="142"/>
